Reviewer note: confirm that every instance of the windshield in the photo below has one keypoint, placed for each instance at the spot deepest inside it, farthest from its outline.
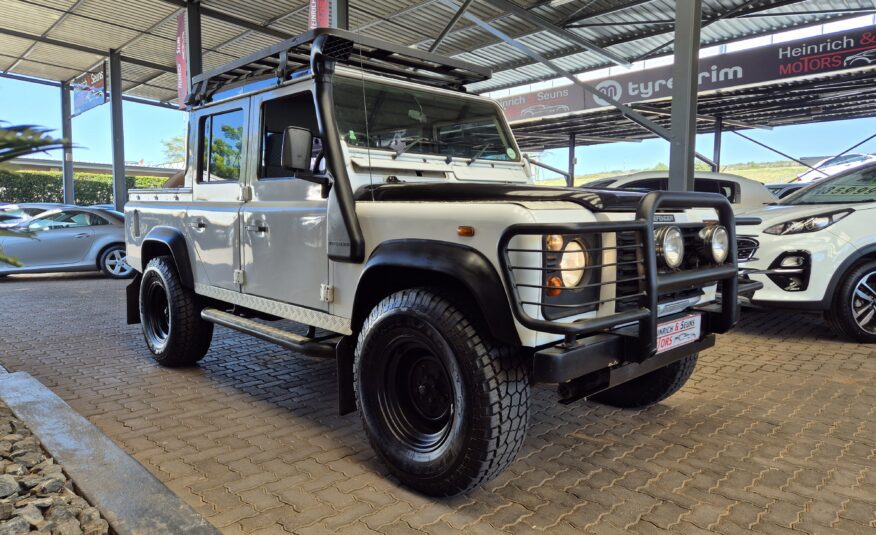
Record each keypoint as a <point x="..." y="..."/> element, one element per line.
<point x="855" y="186"/>
<point x="408" y="120"/>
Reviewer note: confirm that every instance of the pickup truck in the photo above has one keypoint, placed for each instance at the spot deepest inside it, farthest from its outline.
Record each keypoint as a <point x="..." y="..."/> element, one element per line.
<point x="354" y="187"/>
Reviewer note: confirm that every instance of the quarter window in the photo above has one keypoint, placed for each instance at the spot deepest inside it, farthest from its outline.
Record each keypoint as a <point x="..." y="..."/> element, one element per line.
<point x="222" y="142"/>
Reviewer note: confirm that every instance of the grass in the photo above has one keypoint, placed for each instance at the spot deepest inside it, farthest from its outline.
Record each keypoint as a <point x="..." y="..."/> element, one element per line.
<point x="766" y="172"/>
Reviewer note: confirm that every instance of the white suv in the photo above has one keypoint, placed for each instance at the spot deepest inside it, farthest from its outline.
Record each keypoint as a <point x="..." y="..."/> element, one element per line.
<point x="817" y="250"/>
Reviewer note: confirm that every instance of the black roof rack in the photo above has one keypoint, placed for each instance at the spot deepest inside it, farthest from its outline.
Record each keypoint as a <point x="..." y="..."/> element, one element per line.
<point x="346" y="48"/>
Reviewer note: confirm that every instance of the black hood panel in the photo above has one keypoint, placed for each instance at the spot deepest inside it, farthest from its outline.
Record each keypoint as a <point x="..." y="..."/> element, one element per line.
<point x="595" y="200"/>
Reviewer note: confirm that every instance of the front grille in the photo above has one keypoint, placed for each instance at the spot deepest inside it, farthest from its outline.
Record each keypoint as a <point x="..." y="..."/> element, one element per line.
<point x="630" y="275"/>
<point x="746" y="248"/>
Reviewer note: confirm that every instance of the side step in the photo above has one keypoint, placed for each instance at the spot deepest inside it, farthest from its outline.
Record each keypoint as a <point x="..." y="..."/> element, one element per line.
<point x="281" y="337"/>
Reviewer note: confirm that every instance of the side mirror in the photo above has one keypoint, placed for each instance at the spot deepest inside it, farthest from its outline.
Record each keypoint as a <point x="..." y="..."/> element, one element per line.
<point x="297" y="144"/>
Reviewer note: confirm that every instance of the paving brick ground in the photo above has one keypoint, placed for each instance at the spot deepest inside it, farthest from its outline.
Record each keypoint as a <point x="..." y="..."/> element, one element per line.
<point x="776" y="432"/>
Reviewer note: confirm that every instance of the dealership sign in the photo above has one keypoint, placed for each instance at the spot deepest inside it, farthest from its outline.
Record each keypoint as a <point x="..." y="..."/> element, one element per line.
<point x="182" y="80"/>
<point x="89" y="91"/>
<point x="804" y="57"/>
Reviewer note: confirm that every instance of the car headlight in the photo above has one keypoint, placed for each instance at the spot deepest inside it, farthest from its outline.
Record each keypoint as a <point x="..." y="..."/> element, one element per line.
<point x="572" y="263"/>
<point x="807" y="224"/>
<point x="670" y="246"/>
<point x="716" y="242"/>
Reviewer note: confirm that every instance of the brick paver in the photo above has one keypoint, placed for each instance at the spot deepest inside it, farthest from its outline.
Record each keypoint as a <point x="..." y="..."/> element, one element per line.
<point x="776" y="432"/>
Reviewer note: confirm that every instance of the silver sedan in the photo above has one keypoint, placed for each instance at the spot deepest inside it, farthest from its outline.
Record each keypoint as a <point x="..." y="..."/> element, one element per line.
<point x="69" y="239"/>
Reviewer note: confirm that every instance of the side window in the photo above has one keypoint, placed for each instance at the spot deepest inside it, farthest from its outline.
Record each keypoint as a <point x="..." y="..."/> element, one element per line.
<point x="724" y="187"/>
<point x="293" y="110"/>
<point x="222" y="143"/>
<point x="62" y="220"/>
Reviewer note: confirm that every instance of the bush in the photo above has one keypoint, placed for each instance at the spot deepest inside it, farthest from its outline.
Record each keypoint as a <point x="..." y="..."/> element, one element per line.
<point x="47" y="186"/>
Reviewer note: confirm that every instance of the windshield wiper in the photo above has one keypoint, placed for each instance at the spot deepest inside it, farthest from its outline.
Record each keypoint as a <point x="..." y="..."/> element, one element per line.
<point x="480" y="153"/>
<point x="409" y="146"/>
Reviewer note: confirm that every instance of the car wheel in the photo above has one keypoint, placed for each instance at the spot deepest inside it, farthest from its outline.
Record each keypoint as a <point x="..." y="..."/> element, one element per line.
<point x="444" y="406"/>
<point x="171" y="318"/>
<point x="852" y="313"/>
<point x="650" y="388"/>
<point x="113" y="263"/>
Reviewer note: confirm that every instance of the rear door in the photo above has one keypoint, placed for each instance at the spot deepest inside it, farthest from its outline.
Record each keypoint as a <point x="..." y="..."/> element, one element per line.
<point x="284" y="224"/>
<point x="212" y="220"/>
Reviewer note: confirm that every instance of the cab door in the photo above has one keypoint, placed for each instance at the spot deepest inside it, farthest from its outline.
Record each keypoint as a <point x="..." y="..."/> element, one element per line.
<point x="284" y="223"/>
<point x="213" y="218"/>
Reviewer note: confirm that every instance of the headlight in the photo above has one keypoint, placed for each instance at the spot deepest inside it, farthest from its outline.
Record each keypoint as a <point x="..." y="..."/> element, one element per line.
<point x="716" y="242"/>
<point x="670" y="246"/>
<point x="807" y="224"/>
<point x="572" y="263"/>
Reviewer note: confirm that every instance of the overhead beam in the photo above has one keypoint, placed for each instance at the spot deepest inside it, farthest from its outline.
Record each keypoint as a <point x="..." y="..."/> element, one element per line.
<point x="700" y="117"/>
<point x="194" y="51"/>
<point x="682" y="145"/>
<point x="550" y="27"/>
<point x="86" y="49"/>
<point x="52" y="83"/>
<point x="51" y="27"/>
<point x="450" y="24"/>
<point x="846" y="11"/>
<point x="237" y="21"/>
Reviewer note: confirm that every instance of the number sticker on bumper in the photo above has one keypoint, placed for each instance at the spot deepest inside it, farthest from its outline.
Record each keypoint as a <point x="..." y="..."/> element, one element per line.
<point x="678" y="332"/>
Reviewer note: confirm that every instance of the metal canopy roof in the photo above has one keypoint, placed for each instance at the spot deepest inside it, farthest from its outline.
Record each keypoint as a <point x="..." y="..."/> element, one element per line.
<point x="59" y="39"/>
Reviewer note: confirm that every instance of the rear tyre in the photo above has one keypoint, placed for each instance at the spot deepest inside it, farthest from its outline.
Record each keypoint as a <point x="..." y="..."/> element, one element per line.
<point x="171" y="318"/>
<point x="852" y="313"/>
<point x="444" y="406"/>
<point x="113" y="263"/>
<point x="650" y="388"/>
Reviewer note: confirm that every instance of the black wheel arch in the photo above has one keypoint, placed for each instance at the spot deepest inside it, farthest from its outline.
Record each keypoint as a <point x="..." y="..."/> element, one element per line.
<point x="407" y="263"/>
<point x="168" y="240"/>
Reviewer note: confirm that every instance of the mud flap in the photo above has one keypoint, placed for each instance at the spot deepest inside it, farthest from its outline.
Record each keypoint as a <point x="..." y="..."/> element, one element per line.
<point x="346" y="392"/>
<point x="132" y="301"/>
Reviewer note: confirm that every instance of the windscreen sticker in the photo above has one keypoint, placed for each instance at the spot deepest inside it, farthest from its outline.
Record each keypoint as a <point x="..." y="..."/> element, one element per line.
<point x="511" y="153"/>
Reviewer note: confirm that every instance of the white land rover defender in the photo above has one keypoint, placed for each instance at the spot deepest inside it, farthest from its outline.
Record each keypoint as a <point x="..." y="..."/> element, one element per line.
<point x="352" y="186"/>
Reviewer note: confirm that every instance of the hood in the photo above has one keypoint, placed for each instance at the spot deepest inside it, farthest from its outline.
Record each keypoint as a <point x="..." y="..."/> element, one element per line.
<point x="595" y="200"/>
<point x="780" y="213"/>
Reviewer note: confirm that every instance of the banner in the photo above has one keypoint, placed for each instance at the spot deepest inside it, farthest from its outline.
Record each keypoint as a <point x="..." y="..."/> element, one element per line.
<point x="182" y="82"/>
<point x="89" y="90"/>
<point x="323" y="14"/>
<point x="792" y="59"/>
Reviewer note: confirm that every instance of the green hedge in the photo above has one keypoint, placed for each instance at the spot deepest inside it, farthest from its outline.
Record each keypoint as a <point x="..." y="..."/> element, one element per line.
<point x="38" y="186"/>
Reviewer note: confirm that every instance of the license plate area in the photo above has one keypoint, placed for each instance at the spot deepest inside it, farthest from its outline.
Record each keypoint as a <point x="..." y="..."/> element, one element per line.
<point x="679" y="332"/>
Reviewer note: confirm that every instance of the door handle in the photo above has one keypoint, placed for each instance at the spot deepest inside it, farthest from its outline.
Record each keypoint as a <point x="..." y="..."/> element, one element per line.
<point x="81" y="235"/>
<point x="199" y="224"/>
<point x="258" y="226"/>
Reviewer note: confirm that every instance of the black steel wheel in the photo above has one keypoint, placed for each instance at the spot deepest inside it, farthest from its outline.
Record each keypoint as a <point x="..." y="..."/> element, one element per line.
<point x="171" y="318"/>
<point x="444" y="406"/>
<point x="852" y="313"/>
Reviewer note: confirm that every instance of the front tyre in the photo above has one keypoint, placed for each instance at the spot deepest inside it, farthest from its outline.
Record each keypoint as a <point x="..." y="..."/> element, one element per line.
<point x="650" y="388"/>
<point x="444" y="407"/>
<point x="171" y="319"/>
<point x="852" y="313"/>
<point x="113" y="263"/>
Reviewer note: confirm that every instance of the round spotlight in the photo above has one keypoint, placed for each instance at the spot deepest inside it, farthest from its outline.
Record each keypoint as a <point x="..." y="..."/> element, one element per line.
<point x="719" y="242"/>
<point x="670" y="246"/>
<point x="573" y="263"/>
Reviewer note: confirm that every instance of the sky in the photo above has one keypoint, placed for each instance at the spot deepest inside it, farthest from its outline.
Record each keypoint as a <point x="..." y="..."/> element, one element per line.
<point x="146" y="126"/>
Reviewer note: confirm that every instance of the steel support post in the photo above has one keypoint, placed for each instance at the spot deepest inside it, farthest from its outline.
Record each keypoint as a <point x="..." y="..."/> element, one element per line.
<point x="120" y="188"/>
<point x="194" y="51"/>
<point x="719" y="133"/>
<point x="570" y="180"/>
<point x="343" y="17"/>
<point x="682" y="148"/>
<point x="67" y="153"/>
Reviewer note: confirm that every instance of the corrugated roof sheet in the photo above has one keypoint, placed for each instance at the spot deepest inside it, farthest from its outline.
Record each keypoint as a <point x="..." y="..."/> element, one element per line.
<point x="146" y="30"/>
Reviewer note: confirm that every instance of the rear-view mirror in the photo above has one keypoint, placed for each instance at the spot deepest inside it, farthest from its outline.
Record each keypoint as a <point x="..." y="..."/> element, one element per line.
<point x="297" y="143"/>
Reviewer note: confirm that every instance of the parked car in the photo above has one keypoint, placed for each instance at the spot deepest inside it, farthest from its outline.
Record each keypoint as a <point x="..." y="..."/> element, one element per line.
<point x="70" y="239"/>
<point x="817" y="250"/>
<point x="743" y="193"/>
<point x="13" y="214"/>
<point x="832" y="166"/>
<point x="449" y="280"/>
<point x="785" y="189"/>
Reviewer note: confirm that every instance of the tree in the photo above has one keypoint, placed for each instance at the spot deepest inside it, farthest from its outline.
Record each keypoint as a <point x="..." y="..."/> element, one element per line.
<point x="174" y="149"/>
<point x="21" y="140"/>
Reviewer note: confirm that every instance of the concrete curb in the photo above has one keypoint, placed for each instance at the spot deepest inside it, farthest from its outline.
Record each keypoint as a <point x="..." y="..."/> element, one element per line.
<point x="132" y="500"/>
